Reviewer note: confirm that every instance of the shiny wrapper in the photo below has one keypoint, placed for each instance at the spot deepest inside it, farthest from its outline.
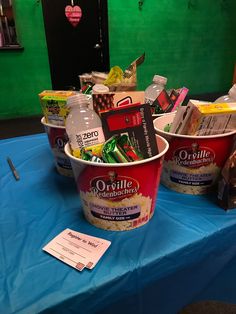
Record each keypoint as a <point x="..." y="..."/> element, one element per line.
<point x="92" y="153"/>
<point x="111" y="152"/>
<point x="128" y="149"/>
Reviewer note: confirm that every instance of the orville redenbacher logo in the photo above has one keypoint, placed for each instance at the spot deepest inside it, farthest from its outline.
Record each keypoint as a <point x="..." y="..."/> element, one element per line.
<point x="194" y="156"/>
<point x="113" y="186"/>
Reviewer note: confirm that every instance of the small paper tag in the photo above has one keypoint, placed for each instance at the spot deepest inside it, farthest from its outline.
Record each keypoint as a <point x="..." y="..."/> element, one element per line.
<point x="77" y="249"/>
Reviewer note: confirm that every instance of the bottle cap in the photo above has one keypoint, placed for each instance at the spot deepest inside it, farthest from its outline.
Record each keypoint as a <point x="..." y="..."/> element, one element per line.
<point x="77" y="99"/>
<point x="100" y="89"/>
<point x="159" y="79"/>
<point x="232" y="92"/>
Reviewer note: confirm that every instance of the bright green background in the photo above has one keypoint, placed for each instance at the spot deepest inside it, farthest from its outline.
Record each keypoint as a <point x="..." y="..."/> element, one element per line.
<point x="192" y="42"/>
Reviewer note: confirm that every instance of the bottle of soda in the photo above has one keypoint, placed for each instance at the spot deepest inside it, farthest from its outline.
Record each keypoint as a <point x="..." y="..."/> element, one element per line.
<point x="83" y="125"/>
<point x="153" y="90"/>
<point x="231" y="97"/>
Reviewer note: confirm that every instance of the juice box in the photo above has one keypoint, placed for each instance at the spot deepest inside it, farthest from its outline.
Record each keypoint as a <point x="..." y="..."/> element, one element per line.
<point x="53" y="105"/>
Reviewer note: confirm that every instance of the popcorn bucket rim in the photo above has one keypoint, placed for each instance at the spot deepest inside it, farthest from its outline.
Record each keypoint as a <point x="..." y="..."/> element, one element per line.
<point x="43" y="121"/>
<point x="164" y="133"/>
<point x="126" y="164"/>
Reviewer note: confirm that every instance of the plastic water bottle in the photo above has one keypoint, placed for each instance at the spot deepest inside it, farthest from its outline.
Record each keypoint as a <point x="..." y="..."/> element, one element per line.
<point x="231" y="97"/>
<point x="153" y="90"/>
<point x="83" y="125"/>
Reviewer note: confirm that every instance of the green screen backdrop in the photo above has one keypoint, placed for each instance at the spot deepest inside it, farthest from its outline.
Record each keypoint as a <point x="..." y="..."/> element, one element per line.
<point x="191" y="42"/>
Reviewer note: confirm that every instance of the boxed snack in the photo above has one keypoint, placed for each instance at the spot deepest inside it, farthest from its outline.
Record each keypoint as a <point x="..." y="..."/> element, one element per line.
<point x="135" y="120"/>
<point x="204" y="118"/>
<point x="227" y="183"/>
<point x="53" y="104"/>
<point x="107" y="101"/>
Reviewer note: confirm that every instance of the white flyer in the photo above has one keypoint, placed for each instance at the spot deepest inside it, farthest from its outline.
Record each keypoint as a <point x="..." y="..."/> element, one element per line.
<point x="77" y="249"/>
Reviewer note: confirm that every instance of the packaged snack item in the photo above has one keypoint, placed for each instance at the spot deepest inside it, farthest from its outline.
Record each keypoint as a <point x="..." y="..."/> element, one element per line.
<point x="119" y="149"/>
<point x="181" y="93"/>
<point x="135" y="120"/>
<point x="227" y="183"/>
<point x="112" y="153"/>
<point x="202" y="118"/>
<point x="109" y="100"/>
<point x="92" y="153"/>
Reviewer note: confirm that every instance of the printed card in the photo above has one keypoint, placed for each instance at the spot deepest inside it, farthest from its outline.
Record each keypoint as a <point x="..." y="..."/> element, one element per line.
<point x="77" y="249"/>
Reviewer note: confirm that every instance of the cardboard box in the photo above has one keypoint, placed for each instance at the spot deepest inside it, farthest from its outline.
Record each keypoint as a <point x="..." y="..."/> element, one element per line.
<point x="111" y="100"/>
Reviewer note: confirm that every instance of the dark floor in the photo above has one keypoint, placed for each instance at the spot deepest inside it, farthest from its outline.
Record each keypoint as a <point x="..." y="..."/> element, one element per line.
<point x="20" y="127"/>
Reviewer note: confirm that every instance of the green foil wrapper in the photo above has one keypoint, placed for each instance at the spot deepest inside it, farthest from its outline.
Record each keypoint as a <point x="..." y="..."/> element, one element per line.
<point x="128" y="149"/>
<point x="111" y="152"/>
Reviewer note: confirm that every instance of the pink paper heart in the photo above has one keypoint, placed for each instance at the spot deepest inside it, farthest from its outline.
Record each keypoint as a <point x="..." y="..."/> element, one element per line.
<point x="73" y="14"/>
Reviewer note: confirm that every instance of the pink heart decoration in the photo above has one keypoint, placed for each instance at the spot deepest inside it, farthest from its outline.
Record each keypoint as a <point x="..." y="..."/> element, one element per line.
<point x="73" y="14"/>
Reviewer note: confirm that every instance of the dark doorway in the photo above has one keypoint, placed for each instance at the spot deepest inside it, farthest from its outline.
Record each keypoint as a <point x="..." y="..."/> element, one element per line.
<point x="76" y="50"/>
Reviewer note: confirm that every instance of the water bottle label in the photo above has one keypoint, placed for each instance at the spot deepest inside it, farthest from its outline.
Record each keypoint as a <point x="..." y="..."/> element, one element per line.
<point x="87" y="138"/>
<point x="149" y="101"/>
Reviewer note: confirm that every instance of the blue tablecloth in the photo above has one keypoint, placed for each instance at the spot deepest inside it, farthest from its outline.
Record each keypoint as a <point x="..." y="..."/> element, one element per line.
<point x="186" y="253"/>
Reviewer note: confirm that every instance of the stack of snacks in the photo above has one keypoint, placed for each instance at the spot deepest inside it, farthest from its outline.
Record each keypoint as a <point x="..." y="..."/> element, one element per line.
<point x="135" y="121"/>
<point x="129" y="135"/>
<point x="204" y="118"/>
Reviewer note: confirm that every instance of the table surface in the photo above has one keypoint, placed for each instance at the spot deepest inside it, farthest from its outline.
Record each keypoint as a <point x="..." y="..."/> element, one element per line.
<point x="173" y="260"/>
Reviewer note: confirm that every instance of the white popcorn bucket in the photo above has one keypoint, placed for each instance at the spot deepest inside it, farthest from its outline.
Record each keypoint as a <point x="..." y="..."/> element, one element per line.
<point x="57" y="138"/>
<point x="193" y="163"/>
<point x="119" y="196"/>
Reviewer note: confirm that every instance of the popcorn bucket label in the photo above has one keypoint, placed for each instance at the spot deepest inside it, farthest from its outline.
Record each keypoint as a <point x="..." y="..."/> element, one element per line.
<point x="192" y="166"/>
<point x="58" y="138"/>
<point x="119" y="198"/>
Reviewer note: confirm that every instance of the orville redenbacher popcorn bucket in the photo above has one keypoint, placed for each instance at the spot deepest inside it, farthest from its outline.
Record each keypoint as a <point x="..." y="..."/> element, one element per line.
<point x="57" y="138"/>
<point x="193" y="163"/>
<point x="119" y="196"/>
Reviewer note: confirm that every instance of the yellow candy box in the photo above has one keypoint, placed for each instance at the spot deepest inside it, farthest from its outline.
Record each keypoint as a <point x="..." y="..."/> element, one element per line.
<point x="53" y="105"/>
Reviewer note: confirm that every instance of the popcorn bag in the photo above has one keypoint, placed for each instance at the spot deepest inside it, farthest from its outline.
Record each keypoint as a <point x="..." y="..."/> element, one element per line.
<point x="119" y="196"/>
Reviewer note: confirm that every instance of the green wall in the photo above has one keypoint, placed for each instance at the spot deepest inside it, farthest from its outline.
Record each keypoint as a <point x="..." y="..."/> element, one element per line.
<point x="23" y="74"/>
<point x="192" y="42"/>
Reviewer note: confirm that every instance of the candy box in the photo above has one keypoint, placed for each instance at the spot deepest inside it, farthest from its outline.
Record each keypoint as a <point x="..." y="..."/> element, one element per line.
<point x="135" y="120"/>
<point x="107" y="101"/>
<point x="53" y="104"/>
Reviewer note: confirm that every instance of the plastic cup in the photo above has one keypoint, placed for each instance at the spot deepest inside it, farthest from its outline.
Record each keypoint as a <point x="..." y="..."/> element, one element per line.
<point x="119" y="196"/>
<point x="57" y="138"/>
<point x="193" y="163"/>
